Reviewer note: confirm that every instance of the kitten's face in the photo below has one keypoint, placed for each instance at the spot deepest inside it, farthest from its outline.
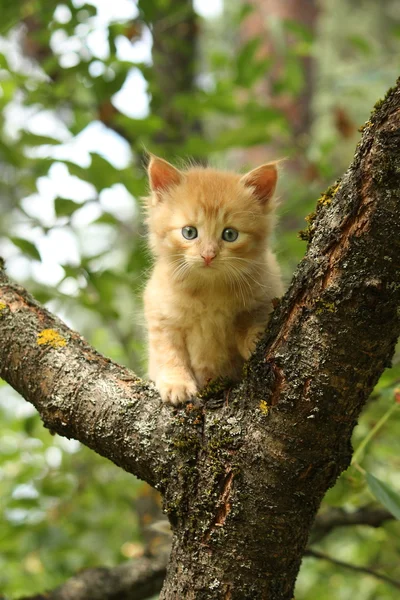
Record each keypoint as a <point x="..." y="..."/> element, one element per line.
<point x="210" y="225"/>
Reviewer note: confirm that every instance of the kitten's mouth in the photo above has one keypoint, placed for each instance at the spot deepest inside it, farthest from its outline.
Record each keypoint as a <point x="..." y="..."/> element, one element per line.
<point x="208" y="266"/>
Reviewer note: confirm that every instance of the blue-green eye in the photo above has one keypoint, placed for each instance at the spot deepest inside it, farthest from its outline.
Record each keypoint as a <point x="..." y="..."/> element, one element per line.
<point x="189" y="232"/>
<point x="230" y="235"/>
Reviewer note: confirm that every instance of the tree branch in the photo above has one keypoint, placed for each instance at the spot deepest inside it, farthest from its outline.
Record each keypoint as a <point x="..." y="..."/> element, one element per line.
<point x="356" y="568"/>
<point x="79" y="393"/>
<point x="138" y="579"/>
<point x="337" y="517"/>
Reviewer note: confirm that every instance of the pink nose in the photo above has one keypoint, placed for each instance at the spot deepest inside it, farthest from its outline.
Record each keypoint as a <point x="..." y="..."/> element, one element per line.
<point x="208" y="258"/>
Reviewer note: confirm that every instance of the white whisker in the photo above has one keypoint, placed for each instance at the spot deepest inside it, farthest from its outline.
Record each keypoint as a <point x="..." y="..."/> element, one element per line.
<point x="243" y="286"/>
<point x="180" y="270"/>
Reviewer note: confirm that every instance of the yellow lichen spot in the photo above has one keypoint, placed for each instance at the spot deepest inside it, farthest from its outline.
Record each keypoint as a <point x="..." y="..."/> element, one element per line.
<point x="326" y="198"/>
<point x="322" y="306"/>
<point x="52" y="338"/>
<point x="264" y="407"/>
<point x="2" y="306"/>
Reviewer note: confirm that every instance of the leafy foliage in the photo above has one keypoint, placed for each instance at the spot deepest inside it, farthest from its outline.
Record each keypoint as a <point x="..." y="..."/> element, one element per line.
<point x="75" y="117"/>
<point x="385" y="494"/>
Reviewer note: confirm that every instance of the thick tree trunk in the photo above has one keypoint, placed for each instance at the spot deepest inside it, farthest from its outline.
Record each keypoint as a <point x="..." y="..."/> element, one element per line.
<point x="175" y="32"/>
<point x="242" y="480"/>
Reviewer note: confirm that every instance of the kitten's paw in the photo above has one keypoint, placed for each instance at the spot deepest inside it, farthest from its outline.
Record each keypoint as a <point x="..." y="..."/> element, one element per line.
<point x="251" y="340"/>
<point x="174" y="391"/>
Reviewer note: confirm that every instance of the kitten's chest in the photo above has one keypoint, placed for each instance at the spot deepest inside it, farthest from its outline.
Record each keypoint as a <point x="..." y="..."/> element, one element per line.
<point x="206" y="313"/>
<point x="210" y="340"/>
<point x="210" y="324"/>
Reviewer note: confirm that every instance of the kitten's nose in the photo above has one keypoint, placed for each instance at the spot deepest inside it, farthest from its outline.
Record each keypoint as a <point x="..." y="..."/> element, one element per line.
<point x="208" y="257"/>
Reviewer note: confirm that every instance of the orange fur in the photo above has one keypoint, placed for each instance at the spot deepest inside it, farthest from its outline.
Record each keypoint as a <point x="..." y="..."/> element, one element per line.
<point x="208" y="300"/>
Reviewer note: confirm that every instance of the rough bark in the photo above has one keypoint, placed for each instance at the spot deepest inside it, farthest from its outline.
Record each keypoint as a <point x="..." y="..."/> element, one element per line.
<point x="242" y="480"/>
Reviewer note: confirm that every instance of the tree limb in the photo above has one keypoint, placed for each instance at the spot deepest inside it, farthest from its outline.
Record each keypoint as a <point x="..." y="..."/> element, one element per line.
<point x="356" y="568"/>
<point x="138" y="579"/>
<point x="242" y="483"/>
<point x="337" y="517"/>
<point x="79" y="393"/>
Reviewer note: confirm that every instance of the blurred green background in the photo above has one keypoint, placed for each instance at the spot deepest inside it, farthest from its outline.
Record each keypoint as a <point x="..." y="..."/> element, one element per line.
<point x="85" y="88"/>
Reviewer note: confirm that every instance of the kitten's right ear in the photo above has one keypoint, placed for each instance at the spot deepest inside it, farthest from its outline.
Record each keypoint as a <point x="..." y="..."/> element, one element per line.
<point x="262" y="180"/>
<point x="162" y="175"/>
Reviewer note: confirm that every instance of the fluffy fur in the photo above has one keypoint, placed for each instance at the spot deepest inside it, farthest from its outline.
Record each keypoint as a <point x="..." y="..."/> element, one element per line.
<point x="208" y="300"/>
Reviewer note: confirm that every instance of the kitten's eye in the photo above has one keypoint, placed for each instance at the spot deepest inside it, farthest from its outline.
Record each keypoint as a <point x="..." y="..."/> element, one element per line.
<point x="230" y="235"/>
<point x="189" y="232"/>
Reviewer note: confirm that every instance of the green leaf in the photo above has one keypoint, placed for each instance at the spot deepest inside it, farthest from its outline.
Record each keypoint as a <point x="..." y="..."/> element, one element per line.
<point x="108" y="219"/>
<point x="292" y="79"/>
<point x="244" y="11"/>
<point x="30" y="423"/>
<point x="361" y="43"/>
<point x="101" y="173"/>
<point x="32" y="139"/>
<point x="4" y="62"/>
<point x="27" y="247"/>
<point x="389" y="380"/>
<point x="385" y="494"/>
<point x="299" y="30"/>
<point x="65" y="207"/>
<point x="89" y="9"/>
<point x="246" y="62"/>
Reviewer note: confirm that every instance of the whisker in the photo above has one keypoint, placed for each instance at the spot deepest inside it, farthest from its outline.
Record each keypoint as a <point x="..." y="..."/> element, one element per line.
<point x="258" y="267"/>
<point x="180" y="270"/>
<point x="243" y="285"/>
<point x="249" y="261"/>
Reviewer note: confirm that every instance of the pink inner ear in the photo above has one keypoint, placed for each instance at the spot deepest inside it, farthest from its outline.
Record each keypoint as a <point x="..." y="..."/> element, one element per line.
<point x="263" y="179"/>
<point x="162" y="175"/>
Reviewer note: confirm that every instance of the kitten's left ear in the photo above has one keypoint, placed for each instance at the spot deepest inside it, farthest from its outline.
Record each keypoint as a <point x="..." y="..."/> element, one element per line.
<point x="263" y="181"/>
<point x="162" y="175"/>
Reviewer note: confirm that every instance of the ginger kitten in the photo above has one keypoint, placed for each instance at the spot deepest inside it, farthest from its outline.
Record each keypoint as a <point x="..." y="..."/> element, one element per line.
<point x="210" y="294"/>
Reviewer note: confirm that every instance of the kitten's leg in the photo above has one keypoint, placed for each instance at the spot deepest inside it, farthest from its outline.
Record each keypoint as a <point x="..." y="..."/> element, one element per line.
<point x="247" y="340"/>
<point x="169" y="366"/>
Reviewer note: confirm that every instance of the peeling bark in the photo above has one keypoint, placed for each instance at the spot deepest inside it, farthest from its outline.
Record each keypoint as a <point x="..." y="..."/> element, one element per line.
<point x="242" y="479"/>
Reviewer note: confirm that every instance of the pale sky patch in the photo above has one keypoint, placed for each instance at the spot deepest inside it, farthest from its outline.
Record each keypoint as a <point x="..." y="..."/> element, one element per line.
<point x="138" y="51"/>
<point x="209" y="9"/>
<point x="119" y="202"/>
<point x="96" y="137"/>
<point x="132" y="99"/>
<point x="112" y="10"/>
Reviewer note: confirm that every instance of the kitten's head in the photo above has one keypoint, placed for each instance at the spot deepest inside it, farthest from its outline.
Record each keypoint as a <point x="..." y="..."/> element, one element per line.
<point x="209" y="224"/>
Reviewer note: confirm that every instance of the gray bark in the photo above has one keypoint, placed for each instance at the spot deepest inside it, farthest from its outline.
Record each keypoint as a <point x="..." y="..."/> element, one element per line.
<point x="242" y="480"/>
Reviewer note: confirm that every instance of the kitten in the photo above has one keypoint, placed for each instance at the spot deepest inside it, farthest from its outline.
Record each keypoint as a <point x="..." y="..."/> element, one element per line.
<point x="210" y="294"/>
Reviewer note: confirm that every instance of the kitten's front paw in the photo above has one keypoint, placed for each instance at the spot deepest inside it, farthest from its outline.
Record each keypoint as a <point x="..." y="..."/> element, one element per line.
<point x="176" y="391"/>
